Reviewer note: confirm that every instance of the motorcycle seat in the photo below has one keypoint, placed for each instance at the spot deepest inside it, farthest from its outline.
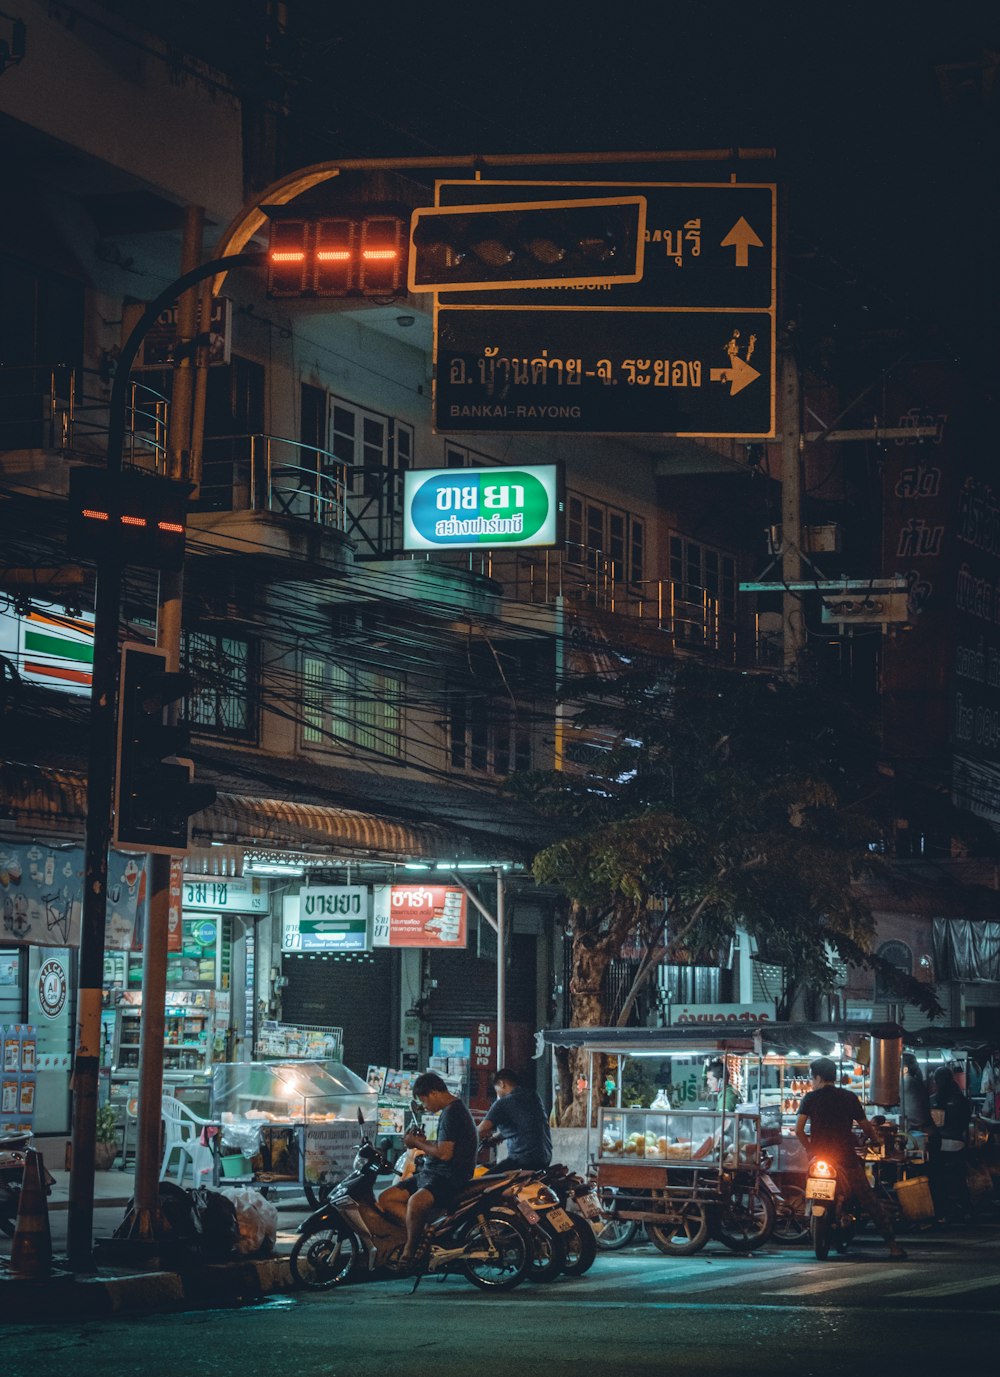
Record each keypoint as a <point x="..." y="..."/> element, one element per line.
<point x="476" y="1186"/>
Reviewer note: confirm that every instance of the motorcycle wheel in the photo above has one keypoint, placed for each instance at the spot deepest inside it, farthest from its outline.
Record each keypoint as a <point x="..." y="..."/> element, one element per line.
<point x="579" y="1247"/>
<point x="548" y="1253"/>
<point x="745" y="1220"/>
<point x="325" y="1259"/>
<point x="820" y="1227"/>
<point x="507" y="1237"/>
<point x="684" y="1230"/>
<point x="791" y="1223"/>
<point x="615" y="1233"/>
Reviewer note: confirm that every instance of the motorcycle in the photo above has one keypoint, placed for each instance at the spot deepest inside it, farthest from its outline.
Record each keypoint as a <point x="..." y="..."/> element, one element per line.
<point x="832" y="1221"/>
<point x="582" y="1207"/>
<point x="12" y="1150"/>
<point x="481" y="1238"/>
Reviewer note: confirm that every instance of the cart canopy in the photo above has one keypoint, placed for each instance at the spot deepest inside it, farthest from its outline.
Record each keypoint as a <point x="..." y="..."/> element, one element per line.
<point x="806" y="1039"/>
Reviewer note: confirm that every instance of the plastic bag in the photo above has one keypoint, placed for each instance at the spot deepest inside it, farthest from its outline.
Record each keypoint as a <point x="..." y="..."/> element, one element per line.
<point x="256" y="1220"/>
<point x="217" y="1219"/>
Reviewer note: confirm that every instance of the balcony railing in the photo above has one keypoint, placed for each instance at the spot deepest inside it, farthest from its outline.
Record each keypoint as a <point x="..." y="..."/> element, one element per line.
<point x="270" y="473"/>
<point x="66" y="410"/>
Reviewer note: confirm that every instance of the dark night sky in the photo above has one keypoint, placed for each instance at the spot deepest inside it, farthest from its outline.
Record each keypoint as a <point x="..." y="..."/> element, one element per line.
<point x="901" y="195"/>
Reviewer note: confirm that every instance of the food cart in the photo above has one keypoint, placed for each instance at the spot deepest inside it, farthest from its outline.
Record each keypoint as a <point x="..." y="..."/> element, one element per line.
<point x="290" y="1125"/>
<point x="688" y="1172"/>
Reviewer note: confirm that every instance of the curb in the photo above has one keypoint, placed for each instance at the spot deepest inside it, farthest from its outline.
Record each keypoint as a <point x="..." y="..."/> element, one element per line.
<point x="66" y="1297"/>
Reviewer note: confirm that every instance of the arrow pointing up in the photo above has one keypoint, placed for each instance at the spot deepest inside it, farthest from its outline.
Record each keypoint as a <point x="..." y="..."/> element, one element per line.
<point x="742" y="237"/>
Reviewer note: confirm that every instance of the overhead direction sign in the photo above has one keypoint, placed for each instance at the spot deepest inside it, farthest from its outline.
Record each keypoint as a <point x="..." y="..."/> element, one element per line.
<point x="688" y="350"/>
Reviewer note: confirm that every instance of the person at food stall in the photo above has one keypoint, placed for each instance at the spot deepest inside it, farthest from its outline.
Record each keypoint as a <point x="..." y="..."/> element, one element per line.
<point x="831" y="1113"/>
<point x="447" y="1164"/>
<point x="946" y="1166"/>
<point x="518" y="1116"/>
<point x="916" y="1100"/>
<point x="726" y="1097"/>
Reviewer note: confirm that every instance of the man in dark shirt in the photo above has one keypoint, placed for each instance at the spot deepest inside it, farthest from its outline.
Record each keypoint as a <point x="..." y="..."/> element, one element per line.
<point x="831" y="1113"/>
<point x="518" y="1115"/>
<point x="447" y="1165"/>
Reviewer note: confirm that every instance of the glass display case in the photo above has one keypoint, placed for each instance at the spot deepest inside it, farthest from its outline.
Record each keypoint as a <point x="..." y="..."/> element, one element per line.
<point x="293" y="1123"/>
<point x="677" y="1136"/>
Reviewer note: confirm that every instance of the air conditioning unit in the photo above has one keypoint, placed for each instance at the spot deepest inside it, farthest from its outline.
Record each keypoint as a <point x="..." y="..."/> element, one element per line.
<point x="816" y="540"/>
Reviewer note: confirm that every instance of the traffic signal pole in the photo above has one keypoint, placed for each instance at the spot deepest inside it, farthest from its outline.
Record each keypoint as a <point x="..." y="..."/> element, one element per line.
<point x="100" y="793"/>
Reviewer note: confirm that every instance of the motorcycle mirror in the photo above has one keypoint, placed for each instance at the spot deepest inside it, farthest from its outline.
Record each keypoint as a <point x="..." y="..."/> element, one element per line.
<point x="361" y="1118"/>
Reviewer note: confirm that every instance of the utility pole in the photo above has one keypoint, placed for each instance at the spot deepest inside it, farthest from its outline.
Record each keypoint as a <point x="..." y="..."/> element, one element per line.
<point x="168" y="638"/>
<point x="792" y="614"/>
<point x="100" y="793"/>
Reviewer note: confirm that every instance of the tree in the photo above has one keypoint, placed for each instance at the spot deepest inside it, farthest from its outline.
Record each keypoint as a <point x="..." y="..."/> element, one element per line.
<point x="722" y="800"/>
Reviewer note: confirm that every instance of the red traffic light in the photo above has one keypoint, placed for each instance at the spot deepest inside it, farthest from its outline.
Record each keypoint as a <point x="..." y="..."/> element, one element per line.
<point x="335" y="256"/>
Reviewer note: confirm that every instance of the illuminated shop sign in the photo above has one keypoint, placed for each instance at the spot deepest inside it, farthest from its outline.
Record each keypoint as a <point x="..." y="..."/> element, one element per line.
<point x="465" y="509"/>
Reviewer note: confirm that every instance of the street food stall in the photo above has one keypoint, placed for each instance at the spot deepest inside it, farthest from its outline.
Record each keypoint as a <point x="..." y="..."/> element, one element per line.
<point x="290" y="1124"/>
<point x="687" y="1169"/>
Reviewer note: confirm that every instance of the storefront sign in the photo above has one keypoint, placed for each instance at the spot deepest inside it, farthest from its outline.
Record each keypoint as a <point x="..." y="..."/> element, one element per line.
<point x="330" y="1149"/>
<point x="49" y="647"/>
<point x="722" y="1013"/>
<point x="463" y="509"/>
<point x="326" y="918"/>
<point x="244" y="895"/>
<point x="423" y="916"/>
<point x="53" y="987"/>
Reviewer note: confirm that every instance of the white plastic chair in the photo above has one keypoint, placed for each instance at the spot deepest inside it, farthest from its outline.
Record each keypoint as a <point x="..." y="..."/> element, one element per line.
<point x="182" y="1136"/>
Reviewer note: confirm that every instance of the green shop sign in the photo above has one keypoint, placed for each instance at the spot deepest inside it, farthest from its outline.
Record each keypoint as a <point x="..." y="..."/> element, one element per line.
<point x="467" y="509"/>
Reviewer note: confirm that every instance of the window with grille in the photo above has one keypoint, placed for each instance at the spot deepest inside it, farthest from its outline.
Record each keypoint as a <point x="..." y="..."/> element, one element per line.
<point x="350" y="703"/>
<point x="703" y="586"/>
<point x="605" y="539"/>
<point x="487" y="737"/>
<point x="223" y="668"/>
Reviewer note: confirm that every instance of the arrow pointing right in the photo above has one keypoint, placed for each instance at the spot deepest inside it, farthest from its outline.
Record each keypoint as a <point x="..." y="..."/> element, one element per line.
<point x="742" y="238"/>
<point x="738" y="375"/>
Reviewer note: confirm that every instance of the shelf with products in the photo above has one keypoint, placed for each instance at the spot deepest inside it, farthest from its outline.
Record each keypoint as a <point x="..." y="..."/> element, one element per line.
<point x="188" y="1034"/>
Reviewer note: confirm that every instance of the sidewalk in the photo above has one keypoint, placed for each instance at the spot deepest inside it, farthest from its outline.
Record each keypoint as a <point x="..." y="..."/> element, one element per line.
<point x="133" y="1287"/>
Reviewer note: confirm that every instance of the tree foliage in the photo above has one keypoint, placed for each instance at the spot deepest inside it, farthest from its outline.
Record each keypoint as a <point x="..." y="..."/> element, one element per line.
<point x="721" y="800"/>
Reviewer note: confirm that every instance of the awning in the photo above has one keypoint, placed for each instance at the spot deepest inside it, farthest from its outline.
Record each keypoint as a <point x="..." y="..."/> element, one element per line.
<point x="268" y="823"/>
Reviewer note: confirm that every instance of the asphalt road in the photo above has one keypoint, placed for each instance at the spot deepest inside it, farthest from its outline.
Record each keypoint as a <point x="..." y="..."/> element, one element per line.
<point x="777" y="1312"/>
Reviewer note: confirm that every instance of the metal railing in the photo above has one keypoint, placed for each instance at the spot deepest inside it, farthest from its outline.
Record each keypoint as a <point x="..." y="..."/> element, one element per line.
<point x="273" y="474"/>
<point x="56" y="407"/>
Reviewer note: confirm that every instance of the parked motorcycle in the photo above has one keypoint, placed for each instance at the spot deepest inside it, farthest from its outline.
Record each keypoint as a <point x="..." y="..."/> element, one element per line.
<point x="12" y="1150"/>
<point x="832" y="1218"/>
<point x="481" y="1238"/>
<point x="579" y="1200"/>
<point x="553" y="1234"/>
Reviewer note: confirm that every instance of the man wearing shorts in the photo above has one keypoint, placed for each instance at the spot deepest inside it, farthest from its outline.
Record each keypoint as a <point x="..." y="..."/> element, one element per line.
<point x="447" y="1165"/>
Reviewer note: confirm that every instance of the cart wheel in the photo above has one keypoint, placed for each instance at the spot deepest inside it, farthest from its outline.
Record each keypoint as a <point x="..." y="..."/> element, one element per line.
<point x="684" y="1229"/>
<point x="791" y="1224"/>
<point x="745" y="1220"/>
<point x="612" y="1232"/>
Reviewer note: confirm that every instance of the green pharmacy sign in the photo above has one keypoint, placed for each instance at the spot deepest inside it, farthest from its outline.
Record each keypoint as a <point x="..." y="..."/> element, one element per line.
<point x="467" y="509"/>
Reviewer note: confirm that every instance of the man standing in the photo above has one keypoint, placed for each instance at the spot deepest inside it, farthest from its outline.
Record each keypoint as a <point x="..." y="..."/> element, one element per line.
<point x="831" y="1113"/>
<point x="448" y="1163"/>
<point x="518" y="1115"/>
<point x="723" y="1093"/>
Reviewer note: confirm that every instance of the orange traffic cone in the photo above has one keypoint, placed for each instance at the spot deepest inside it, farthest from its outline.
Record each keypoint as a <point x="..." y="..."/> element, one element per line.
<point x="31" y="1250"/>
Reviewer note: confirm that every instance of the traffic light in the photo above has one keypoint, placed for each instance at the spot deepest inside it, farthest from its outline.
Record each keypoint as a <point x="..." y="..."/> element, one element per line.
<point x="155" y="794"/>
<point x="130" y="517"/>
<point x="337" y="255"/>
<point x="527" y="244"/>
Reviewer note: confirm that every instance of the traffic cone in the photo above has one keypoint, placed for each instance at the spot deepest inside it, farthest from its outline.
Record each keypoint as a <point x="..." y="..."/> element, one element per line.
<point x="31" y="1250"/>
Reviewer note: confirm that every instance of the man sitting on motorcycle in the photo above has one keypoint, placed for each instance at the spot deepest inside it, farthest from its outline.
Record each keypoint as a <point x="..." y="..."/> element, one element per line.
<point x="447" y="1165"/>
<point x="518" y="1116"/>
<point x="831" y="1113"/>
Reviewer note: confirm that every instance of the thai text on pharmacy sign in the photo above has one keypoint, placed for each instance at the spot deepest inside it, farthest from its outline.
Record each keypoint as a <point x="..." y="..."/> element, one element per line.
<point x="477" y="508"/>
